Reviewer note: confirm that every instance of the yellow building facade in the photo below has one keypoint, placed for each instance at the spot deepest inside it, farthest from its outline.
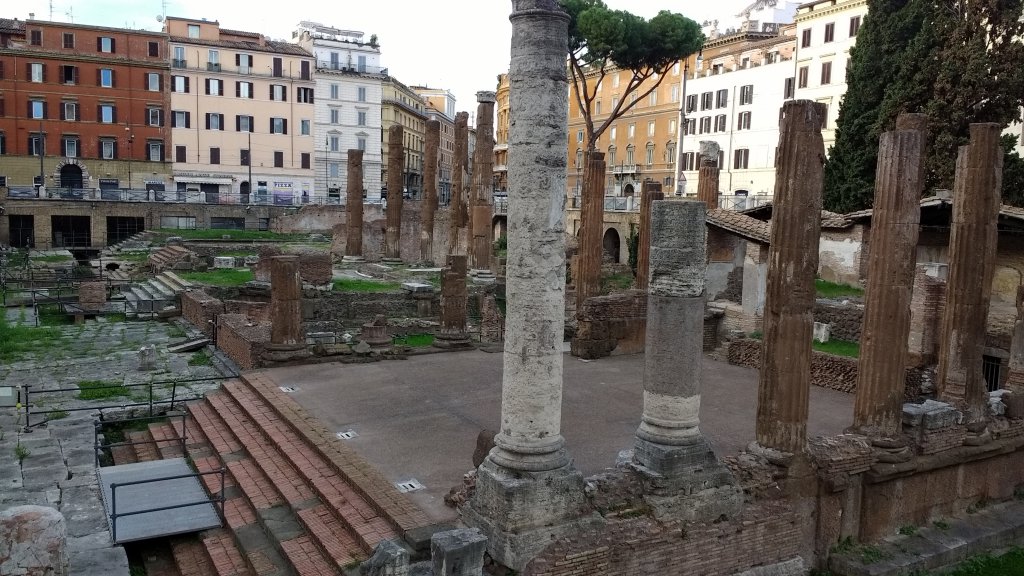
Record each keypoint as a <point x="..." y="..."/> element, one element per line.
<point x="401" y="104"/>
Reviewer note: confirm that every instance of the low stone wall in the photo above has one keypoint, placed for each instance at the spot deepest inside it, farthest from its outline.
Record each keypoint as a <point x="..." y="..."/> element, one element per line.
<point x="92" y="295"/>
<point x="827" y="371"/>
<point x="314" y="265"/>
<point x="611" y="325"/>
<point x="243" y="343"/>
<point x="845" y="319"/>
<point x="318" y="305"/>
<point x="201" y="310"/>
<point x="256" y="311"/>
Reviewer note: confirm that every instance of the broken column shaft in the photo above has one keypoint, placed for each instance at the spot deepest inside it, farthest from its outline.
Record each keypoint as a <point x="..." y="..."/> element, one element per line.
<point x="785" y="375"/>
<point x="457" y="204"/>
<point x="429" y="206"/>
<point x="895" y="222"/>
<point x="708" y="174"/>
<point x="396" y="159"/>
<point x="483" y="185"/>
<point x="651" y="192"/>
<point x="588" y="261"/>
<point x="286" y="303"/>
<point x="972" y="250"/>
<point x="453" y="304"/>
<point x="354" y="206"/>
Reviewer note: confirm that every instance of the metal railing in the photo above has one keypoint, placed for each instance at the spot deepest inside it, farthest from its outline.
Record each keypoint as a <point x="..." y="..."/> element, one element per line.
<point x="349" y="67"/>
<point x="97" y="426"/>
<point x="268" y="198"/>
<point x="114" y="515"/>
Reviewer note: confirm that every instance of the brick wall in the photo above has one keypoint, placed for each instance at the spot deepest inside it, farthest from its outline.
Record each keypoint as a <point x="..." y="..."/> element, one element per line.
<point x="92" y="295"/>
<point x="360" y="307"/>
<point x="846" y="319"/>
<point x="612" y="324"/>
<point x="766" y="533"/>
<point x="242" y="343"/>
<point x="256" y="311"/>
<point x="314" y="265"/>
<point x="201" y="310"/>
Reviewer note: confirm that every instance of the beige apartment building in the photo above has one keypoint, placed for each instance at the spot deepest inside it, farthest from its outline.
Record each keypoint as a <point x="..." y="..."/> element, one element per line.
<point x="241" y="116"/>
<point x="501" y="135"/>
<point x="401" y="104"/>
<point x="440" y="106"/>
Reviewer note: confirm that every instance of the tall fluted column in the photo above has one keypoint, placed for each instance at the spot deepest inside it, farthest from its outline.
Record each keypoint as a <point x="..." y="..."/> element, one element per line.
<point x="899" y="182"/>
<point x="591" y="248"/>
<point x="285" y="302"/>
<point x="651" y="192"/>
<point x="972" y="251"/>
<point x="483" y="184"/>
<point x="354" y="206"/>
<point x="785" y="375"/>
<point x="527" y="492"/>
<point x="429" y="205"/>
<point x="707" y="173"/>
<point x="457" y="205"/>
<point x="396" y="161"/>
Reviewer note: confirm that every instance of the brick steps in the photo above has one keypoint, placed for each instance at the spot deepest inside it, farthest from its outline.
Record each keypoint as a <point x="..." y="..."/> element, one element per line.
<point x="190" y="556"/>
<point x="145" y="448"/>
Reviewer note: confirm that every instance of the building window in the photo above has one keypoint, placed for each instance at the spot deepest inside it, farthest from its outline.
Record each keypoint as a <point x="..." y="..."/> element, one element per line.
<point x="244" y="63"/>
<point x="106" y="77"/>
<point x="193" y="30"/>
<point x="154" y="49"/>
<point x="108" y="148"/>
<point x="36" y="145"/>
<point x="180" y="154"/>
<point x="278" y="159"/>
<point x="334" y="143"/>
<point x="335" y="116"/>
<point x="214" y="155"/>
<point x="826" y="73"/>
<point x="675" y="69"/>
<point x="597" y="108"/>
<point x="670" y="154"/>
<point x="214" y="87"/>
<point x="155" y="117"/>
<point x="304" y="95"/>
<point x="69" y="111"/>
<point x="304" y="127"/>
<point x="672" y="127"/>
<point x="691" y="103"/>
<point x="155" y="151"/>
<point x="334" y="91"/>
<point x="745" y="63"/>
<point x="214" y="121"/>
<point x="706" y="100"/>
<point x="854" y="26"/>
<point x="37" y="72"/>
<point x="805" y="38"/>
<point x="722" y="98"/>
<point x="179" y="57"/>
<point x="105" y="44"/>
<point x="720" y="122"/>
<point x="278" y="93"/>
<point x="361" y="143"/>
<point x="361" y="63"/>
<point x="611" y="155"/>
<point x="361" y="118"/>
<point x="243" y="89"/>
<point x="830" y="32"/>
<point x="649" y="155"/>
<point x="579" y="136"/>
<point x="691" y="126"/>
<point x="36" y="37"/>
<point x="278" y="125"/>
<point x="69" y="74"/>
<point x="787" y="89"/>
<point x="675" y="93"/>
<point x="180" y="119"/>
<point x="740" y="159"/>
<point x="153" y="83"/>
<point x="803" y="73"/>
<point x="334" y="169"/>
<point x="243" y="157"/>
<point x="652" y="99"/>
<point x="180" y="84"/>
<point x="244" y="123"/>
<point x="613" y="133"/>
<point x="37" y="109"/>
<point x="277" y="68"/>
<point x="361" y="94"/>
<point x="631" y="131"/>
<point x="650" y="128"/>
<point x="304" y="159"/>
<point x="743" y="121"/>
<point x="705" y="125"/>
<point x="69" y="146"/>
<point x="747" y="94"/>
<point x="213" y="60"/>
<point x="629" y="154"/>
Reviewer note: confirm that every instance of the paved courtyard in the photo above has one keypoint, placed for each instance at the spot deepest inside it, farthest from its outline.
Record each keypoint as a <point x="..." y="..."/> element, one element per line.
<point x="419" y="418"/>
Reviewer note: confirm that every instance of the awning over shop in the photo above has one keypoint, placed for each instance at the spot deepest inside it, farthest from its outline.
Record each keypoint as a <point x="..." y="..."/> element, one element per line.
<point x="202" y="180"/>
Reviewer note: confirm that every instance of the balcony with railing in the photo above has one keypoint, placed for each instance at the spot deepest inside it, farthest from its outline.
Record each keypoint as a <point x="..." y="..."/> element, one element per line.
<point x="632" y="203"/>
<point x="179" y="64"/>
<point x="331" y="65"/>
<point x="213" y="66"/>
<point x="626" y="169"/>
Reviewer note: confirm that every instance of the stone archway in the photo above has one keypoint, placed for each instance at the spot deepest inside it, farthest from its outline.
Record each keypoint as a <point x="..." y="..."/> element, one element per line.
<point x="71" y="177"/>
<point x="611" y="244"/>
<point x="628" y="190"/>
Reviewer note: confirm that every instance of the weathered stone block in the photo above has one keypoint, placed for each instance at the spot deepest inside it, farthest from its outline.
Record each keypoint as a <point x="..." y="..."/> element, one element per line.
<point x="33" y="542"/>
<point x="458" y="552"/>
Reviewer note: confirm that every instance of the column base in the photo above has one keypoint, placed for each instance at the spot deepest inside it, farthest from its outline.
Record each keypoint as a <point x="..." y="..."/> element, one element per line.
<point x="352" y="259"/>
<point x="392" y="260"/>
<point x="686" y="483"/>
<point x="452" y="341"/>
<point x="285" y="352"/>
<point x="482" y="276"/>
<point x="522" y="513"/>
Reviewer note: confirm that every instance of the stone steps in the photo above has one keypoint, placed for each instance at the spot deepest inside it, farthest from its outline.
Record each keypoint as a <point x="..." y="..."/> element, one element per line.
<point x="167" y="257"/>
<point x="155" y="294"/>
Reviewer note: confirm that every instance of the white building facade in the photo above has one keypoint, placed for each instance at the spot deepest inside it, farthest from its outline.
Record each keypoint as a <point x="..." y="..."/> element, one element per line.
<point x="347" y="113"/>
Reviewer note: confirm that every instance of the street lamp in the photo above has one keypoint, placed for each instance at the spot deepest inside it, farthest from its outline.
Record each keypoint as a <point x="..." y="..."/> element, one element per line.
<point x="680" y="177"/>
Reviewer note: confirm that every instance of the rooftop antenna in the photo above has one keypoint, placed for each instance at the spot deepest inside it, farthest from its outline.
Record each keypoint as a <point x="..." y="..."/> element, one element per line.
<point x="51" y="10"/>
<point x="71" y="14"/>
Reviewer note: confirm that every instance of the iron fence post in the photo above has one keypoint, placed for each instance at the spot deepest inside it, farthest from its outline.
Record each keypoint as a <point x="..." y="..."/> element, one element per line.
<point x="96" y="441"/>
<point x="28" y="409"/>
<point x="113" y="512"/>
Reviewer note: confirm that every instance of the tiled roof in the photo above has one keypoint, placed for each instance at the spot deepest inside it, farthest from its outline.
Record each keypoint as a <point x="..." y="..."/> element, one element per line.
<point x="828" y="219"/>
<point x="9" y="25"/>
<point x="269" y="46"/>
<point x="741" y="224"/>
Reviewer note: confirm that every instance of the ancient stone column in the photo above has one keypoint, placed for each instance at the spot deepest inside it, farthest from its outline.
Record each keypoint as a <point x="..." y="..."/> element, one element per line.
<point x="972" y="250"/>
<point x="707" y="174"/>
<point x="785" y="376"/>
<point x="453" y="304"/>
<point x="899" y="182"/>
<point x="429" y="206"/>
<point x="285" y="304"/>
<point x="354" y="207"/>
<point x="527" y="492"/>
<point x="483" y="184"/>
<point x="651" y="192"/>
<point x="1015" y="378"/>
<point x="588" y="261"/>
<point x="396" y="162"/>
<point x="457" y="242"/>
<point x="927" y="307"/>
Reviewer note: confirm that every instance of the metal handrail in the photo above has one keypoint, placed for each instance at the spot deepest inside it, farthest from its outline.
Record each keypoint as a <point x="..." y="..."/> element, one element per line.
<point x="115" y="485"/>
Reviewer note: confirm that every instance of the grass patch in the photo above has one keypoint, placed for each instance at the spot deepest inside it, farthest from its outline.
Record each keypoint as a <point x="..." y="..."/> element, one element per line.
<point x="414" y="340"/>
<point x="219" y="277"/>
<point x="360" y="285"/>
<point x="941" y="525"/>
<point x="908" y="530"/>
<point x="52" y="258"/>
<point x="21" y="452"/>
<point x="838" y="347"/>
<point x="623" y="281"/>
<point x="57" y="415"/>
<point x="209" y="234"/>
<point x="1008" y="564"/>
<point x="175" y="331"/>
<point x="828" y="289"/>
<point x="200" y="358"/>
<point x="19" y="340"/>
<point x="99" y="389"/>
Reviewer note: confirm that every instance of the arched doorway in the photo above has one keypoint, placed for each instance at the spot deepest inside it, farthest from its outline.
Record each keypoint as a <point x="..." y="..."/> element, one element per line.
<point x="611" y="246"/>
<point x="243" y="192"/>
<point x="71" y="176"/>
<point x="627" y="190"/>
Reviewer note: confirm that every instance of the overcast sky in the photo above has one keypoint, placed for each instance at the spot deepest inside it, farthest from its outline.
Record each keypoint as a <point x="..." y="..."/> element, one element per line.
<point x="461" y="45"/>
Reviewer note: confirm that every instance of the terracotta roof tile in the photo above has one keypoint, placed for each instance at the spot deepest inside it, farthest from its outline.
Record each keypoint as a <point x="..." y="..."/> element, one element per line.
<point x="741" y="224"/>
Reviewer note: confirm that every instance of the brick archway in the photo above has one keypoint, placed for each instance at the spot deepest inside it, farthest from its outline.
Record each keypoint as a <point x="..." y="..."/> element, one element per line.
<point x="59" y="168"/>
